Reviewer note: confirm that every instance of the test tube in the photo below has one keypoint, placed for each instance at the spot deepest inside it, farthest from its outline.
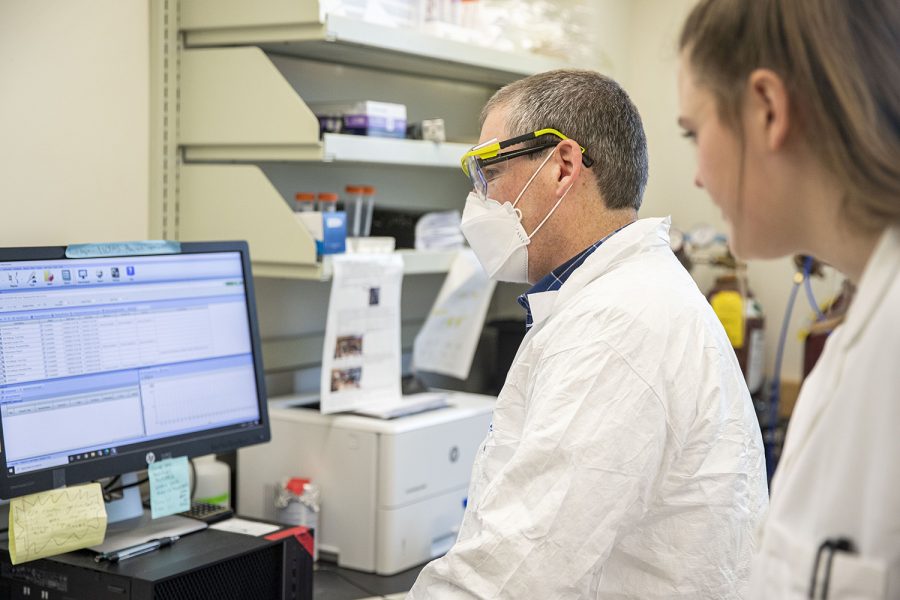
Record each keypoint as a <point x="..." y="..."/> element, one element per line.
<point x="328" y="202"/>
<point x="354" y="206"/>
<point x="369" y="200"/>
<point x="304" y="202"/>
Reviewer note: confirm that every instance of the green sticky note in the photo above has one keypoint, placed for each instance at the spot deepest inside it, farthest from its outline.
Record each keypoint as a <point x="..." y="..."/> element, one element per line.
<point x="170" y="487"/>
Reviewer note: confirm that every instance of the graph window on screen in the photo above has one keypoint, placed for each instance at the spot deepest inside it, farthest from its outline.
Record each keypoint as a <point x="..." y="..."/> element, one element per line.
<point x="97" y="355"/>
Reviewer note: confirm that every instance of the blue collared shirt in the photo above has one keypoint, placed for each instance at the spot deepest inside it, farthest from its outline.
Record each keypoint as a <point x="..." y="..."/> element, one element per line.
<point x="558" y="276"/>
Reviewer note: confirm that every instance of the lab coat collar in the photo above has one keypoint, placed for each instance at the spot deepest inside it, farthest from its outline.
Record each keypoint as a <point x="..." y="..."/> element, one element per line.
<point x="881" y="271"/>
<point x="541" y="305"/>
<point x="641" y="236"/>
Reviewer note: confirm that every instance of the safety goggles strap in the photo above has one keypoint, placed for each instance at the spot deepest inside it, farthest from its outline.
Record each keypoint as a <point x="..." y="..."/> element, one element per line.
<point x="490" y="151"/>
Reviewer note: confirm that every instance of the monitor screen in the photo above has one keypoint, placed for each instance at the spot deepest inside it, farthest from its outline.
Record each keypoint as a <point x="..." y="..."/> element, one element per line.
<point x="109" y="363"/>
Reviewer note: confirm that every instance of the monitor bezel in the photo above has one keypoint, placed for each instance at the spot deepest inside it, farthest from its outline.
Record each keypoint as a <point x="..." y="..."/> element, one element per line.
<point x="192" y="444"/>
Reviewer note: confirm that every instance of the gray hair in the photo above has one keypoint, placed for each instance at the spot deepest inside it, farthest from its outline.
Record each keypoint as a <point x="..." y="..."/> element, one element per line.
<point x="594" y="111"/>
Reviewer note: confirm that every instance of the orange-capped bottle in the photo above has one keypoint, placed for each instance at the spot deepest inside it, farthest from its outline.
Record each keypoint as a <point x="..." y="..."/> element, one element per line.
<point x="354" y="209"/>
<point x="304" y="202"/>
<point x="368" y="209"/>
<point x="328" y="202"/>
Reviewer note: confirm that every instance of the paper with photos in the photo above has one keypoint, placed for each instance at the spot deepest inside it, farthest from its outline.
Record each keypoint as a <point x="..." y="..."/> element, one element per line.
<point x="361" y="353"/>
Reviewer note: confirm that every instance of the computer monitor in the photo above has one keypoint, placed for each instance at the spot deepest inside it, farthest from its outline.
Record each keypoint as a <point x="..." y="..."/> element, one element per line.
<point x="107" y="364"/>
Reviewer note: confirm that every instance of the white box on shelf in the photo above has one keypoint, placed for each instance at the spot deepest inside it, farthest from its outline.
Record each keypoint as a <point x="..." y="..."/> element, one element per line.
<point x="366" y="117"/>
<point x="371" y="245"/>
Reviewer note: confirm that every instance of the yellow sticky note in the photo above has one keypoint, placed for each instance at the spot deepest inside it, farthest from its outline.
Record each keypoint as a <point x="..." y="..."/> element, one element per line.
<point x="729" y="307"/>
<point x="55" y="522"/>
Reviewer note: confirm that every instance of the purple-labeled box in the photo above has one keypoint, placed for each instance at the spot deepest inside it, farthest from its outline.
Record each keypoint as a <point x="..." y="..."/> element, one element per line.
<point x="379" y="119"/>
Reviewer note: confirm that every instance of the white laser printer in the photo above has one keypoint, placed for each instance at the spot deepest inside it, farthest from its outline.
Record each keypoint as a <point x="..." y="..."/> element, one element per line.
<point x="393" y="491"/>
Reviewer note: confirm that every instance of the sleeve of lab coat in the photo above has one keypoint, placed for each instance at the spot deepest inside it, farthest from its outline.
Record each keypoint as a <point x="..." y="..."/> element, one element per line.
<point x="584" y="469"/>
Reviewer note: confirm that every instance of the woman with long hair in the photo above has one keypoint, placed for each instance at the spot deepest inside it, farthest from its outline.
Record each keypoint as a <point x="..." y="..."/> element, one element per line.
<point x="794" y="108"/>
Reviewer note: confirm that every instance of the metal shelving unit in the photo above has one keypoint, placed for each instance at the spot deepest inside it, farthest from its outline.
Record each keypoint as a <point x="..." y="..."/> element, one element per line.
<point x="239" y="202"/>
<point x="235" y="106"/>
<point x="297" y="28"/>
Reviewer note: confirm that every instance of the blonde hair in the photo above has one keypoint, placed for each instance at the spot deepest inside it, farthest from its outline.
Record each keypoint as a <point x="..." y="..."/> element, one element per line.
<point x="840" y="61"/>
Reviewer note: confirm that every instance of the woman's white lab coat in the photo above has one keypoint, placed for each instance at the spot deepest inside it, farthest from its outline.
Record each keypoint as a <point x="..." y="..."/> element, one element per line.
<point x="839" y="475"/>
<point x="625" y="459"/>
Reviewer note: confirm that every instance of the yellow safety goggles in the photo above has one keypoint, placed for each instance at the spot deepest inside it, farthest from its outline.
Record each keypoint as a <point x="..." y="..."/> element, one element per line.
<point x="485" y="162"/>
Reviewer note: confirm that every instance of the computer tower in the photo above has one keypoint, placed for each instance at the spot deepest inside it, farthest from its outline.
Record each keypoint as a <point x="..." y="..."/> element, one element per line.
<point x="209" y="565"/>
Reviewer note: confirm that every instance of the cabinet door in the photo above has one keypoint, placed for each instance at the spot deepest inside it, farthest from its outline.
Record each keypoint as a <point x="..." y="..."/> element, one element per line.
<point x="74" y="112"/>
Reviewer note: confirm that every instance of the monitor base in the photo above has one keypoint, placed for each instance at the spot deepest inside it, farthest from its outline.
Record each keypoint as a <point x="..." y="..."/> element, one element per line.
<point x="132" y="532"/>
<point x="129" y="506"/>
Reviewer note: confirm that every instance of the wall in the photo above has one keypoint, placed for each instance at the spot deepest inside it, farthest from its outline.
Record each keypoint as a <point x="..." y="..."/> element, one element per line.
<point x="612" y="23"/>
<point x="74" y="117"/>
<point x="650" y="78"/>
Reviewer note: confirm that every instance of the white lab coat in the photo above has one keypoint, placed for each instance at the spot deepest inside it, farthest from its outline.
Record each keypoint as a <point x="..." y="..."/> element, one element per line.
<point x="625" y="458"/>
<point x="840" y="470"/>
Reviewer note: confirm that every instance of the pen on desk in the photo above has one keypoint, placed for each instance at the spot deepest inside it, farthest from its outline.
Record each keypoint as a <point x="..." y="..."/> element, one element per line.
<point x="138" y="550"/>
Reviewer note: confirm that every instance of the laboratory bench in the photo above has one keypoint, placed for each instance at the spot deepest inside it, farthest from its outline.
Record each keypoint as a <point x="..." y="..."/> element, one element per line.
<point x="331" y="582"/>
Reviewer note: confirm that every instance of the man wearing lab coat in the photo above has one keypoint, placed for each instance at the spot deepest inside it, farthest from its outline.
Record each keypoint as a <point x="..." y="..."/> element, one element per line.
<point x="624" y="459"/>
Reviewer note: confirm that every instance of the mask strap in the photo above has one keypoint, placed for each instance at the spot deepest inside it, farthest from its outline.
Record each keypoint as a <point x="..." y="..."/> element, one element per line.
<point x="519" y="197"/>
<point x="552" y="210"/>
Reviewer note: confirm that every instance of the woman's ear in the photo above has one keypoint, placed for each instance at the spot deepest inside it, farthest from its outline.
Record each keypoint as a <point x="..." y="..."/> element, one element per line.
<point x="568" y="165"/>
<point x="768" y="108"/>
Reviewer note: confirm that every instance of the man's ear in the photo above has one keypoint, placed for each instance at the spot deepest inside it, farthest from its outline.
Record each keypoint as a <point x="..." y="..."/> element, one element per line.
<point x="567" y="161"/>
<point x="767" y="108"/>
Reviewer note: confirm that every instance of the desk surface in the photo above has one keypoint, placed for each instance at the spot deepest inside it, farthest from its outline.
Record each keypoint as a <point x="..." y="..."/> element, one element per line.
<point x="331" y="582"/>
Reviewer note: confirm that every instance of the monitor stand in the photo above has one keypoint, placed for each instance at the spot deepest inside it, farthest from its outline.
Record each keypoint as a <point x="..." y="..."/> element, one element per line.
<point x="129" y="524"/>
<point x="127" y="507"/>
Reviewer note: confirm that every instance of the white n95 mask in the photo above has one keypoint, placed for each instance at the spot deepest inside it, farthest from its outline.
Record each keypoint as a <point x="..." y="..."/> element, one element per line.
<point x="495" y="233"/>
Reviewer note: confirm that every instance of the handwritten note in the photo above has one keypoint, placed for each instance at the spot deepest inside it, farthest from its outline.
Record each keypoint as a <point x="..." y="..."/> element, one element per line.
<point x="55" y="522"/>
<point x="170" y="487"/>
<point x="448" y="338"/>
